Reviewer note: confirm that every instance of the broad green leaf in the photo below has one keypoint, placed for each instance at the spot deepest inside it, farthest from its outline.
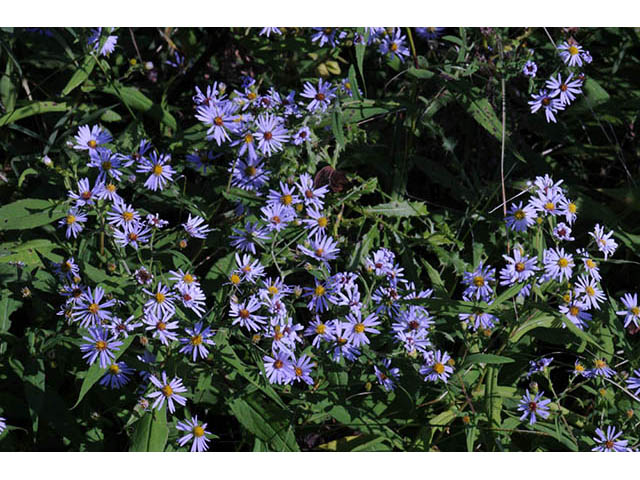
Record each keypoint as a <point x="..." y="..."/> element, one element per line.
<point x="25" y="252"/>
<point x="95" y="373"/>
<point x="443" y="419"/>
<point x="398" y="209"/>
<point x="151" y="432"/>
<point x="509" y="293"/>
<point x="337" y="128"/>
<point x="420" y="73"/>
<point x="353" y="83"/>
<point x="35" y="108"/>
<point x="487" y="358"/>
<point x="136" y="100"/>
<point x="356" y="443"/>
<point x="8" y="305"/>
<point x="540" y="320"/>
<point x="29" y="213"/>
<point x="482" y="111"/>
<point x="268" y="424"/>
<point x="80" y="75"/>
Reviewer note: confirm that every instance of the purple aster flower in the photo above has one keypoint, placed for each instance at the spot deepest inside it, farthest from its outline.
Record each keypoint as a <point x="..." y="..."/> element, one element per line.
<point x="109" y="44"/>
<point x="576" y="311"/>
<point x="519" y="268"/>
<point x="108" y="192"/>
<point x="571" y="53"/>
<point x="100" y="344"/>
<point x="163" y="329"/>
<point x="134" y="234"/>
<point x="107" y="163"/>
<point x="117" y="375"/>
<point x="250" y="269"/>
<point x="558" y="264"/>
<point x="302" y="135"/>
<point x="220" y="117"/>
<point x="537" y="366"/>
<point x="90" y="310"/>
<point x="567" y="89"/>
<point x="167" y="390"/>
<point x="271" y="134"/>
<point x="530" y="68"/>
<point x="479" y="319"/>
<point x="605" y="243"/>
<point x="477" y="282"/>
<point x="601" y="369"/>
<point x="138" y="156"/>
<point x="320" y="96"/>
<point x="210" y="96"/>
<point x="562" y="231"/>
<point x="520" y="218"/>
<point x="317" y="221"/>
<point x="193" y="298"/>
<point x="279" y="368"/>
<point x="123" y="215"/>
<point x="633" y="383"/>
<point x="243" y="313"/>
<point x="323" y="248"/>
<point x="632" y="312"/>
<point x="342" y="346"/>
<point x="547" y="202"/>
<point x="436" y="366"/>
<point x="67" y="269"/>
<point x="161" y="171"/>
<point x="195" y="431"/>
<point x="386" y="374"/>
<point x="86" y="195"/>
<point x="3" y="424"/>
<point x="429" y="33"/>
<point x="321" y="296"/>
<point x="91" y="138"/>
<point x="195" y="228"/>
<point x="246" y="240"/>
<point x="545" y="101"/>
<point x="322" y="331"/>
<point x="73" y="221"/>
<point x="143" y="276"/>
<point x="267" y="31"/>
<point x="286" y="196"/>
<point x="309" y="194"/>
<point x="591" y="294"/>
<point x="277" y="216"/>
<point x="608" y="442"/>
<point x="249" y="174"/>
<point x="203" y="160"/>
<point x="123" y="327"/>
<point x="395" y="45"/>
<point x="329" y="35"/>
<point x="302" y="369"/>
<point x="533" y="406"/>
<point x="198" y="339"/>
<point x="161" y="302"/>
<point x="356" y="328"/>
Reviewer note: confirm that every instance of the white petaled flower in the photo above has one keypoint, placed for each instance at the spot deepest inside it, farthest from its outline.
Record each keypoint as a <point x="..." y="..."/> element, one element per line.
<point x="591" y="294"/>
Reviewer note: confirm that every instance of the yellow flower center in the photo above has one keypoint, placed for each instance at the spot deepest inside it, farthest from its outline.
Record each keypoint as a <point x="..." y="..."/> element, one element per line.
<point x="635" y="311"/>
<point x="218" y="121"/>
<point x="590" y="263"/>
<point x="114" y="369"/>
<point x="574" y="311"/>
<point x="250" y="170"/>
<point x="563" y="262"/>
<point x="235" y="279"/>
<point x="244" y="313"/>
<point x="248" y="138"/>
<point x="478" y="281"/>
<point x="590" y="291"/>
<point x="198" y="431"/>
<point x="322" y="222"/>
<point x="319" y="252"/>
<point x="519" y="215"/>
<point x="438" y="368"/>
<point x="278" y="364"/>
<point x="92" y="143"/>
<point x="101" y="345"/>
<point x="157" y="170"/>
<point x="167" y="391"/>
<point x="394" y="47"/>
<point x="286" y="199"/>
<point x="106" y="165"/>
<point x="161" y="326"/>
<point x="573" y="50"/>
<point x="111" y="187"/>
<point x="196" y="340"/>
<point x="319" y="291"/>
<point x="160" y="297"/>
<point x="321" y="328"/>
<point x="600" y="363"/>
<point x="359" y="328"/>
<point x="273" y="290"/>
<point x="520" y="267"/>
<point x="127" y="216"/>
<point x="572" y="208"/>
<point x="94" y="307"/>
<point x="188" y="278"/>
<point x="71" y="219"/>
<point x="579" y="368"/>
<point x="550" y="206"/>
<point x="298" y="371"/>
<point x="275" y="219"/>
<point x="251" y="95"/>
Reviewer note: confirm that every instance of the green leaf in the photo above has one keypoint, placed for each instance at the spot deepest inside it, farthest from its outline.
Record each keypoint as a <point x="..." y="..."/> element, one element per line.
<point x="80" y="75"/>
<point x="420" y="73"/>
<point x="29" y="213"/>
<point x="151" y="432"/>
<point x="353" y="83"/>
<point x="443" y="419"/>
<point x="95" y="373"/>
<point x="136" y="100"/>
<point x="25" y="252"/>
<point x="269" y="425"/>
<point x="337" y="128"/>
<point x="35" y="108"/>
<point x="398" y="209"/>
<point x="487" y="358"/>
<point x="360" y="48"/>
<point x="25" y="174"/>
<point x="482" y="111"/>
<point x="509" y="293"/>
<point x="539" y="320"/>
<point x="8" y="305"/>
